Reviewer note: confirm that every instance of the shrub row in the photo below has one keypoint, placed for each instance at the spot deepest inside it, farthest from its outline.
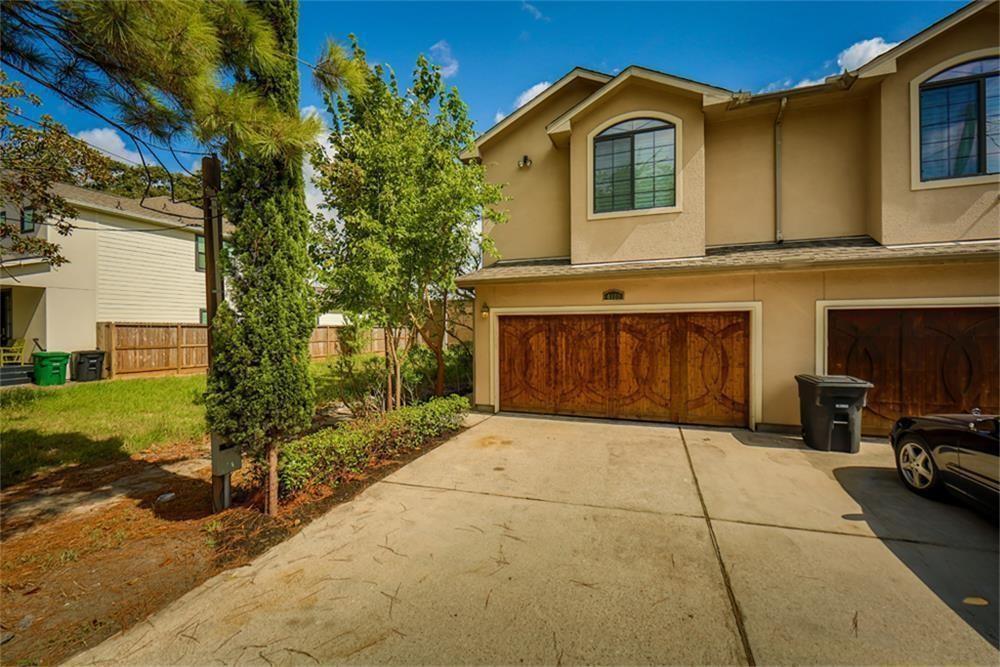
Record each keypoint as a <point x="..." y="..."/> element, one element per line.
<point x="327" y="455"/>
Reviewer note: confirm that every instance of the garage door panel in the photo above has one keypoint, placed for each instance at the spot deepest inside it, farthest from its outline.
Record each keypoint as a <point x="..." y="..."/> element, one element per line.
<point x="643" y="389"/>
<point x="679" y="367"/>
<point x="717" y="368"/>
<point x="525" y="368"/>
<point x="581" y="368"/>
<point x="921" y="360"/>
<point x="865" y="344"/>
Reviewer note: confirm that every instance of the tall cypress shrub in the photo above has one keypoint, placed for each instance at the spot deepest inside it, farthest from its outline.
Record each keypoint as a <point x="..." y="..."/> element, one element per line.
<point x="261" y="390"/>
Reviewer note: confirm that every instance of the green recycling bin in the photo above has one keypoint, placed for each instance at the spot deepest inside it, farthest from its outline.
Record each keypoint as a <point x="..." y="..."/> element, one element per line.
<point x="50" y="367"/>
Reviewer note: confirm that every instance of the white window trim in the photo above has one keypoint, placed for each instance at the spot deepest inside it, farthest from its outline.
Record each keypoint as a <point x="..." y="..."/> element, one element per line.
<point x="678" y="153"/>
<point x="915" y="182"/>
<point x="823" y="308"/>
<point x="755" y="308"/>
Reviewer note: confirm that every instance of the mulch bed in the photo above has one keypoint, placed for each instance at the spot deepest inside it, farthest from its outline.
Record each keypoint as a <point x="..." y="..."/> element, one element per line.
<point x="70" y="583"/>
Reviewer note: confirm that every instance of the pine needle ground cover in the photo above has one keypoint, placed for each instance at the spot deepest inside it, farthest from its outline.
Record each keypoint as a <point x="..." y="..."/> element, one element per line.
<point x="74" y="580"/>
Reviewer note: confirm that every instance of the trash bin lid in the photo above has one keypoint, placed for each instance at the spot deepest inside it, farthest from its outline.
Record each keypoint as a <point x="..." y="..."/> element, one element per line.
<point x="89" y="352"/>
<point x="834" y="381"/>
<point x="50" y="355"/>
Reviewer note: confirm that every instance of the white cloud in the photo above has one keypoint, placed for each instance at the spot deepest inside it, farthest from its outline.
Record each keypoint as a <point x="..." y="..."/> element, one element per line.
<point x="522" y="99"/>
<point x="441" y="54"/>
<point x="108" y="141"/>
<point x="804" y="83"/>
<point x="531" y="93"/>
<point x="859" y="53"/>
<point x="314" y="197"/>
<point x="535" y="12"/>
<point x="851" y="58"/>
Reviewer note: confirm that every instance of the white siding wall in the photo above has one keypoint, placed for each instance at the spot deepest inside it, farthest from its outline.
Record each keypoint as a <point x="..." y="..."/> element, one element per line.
<point x="147" y="276"/>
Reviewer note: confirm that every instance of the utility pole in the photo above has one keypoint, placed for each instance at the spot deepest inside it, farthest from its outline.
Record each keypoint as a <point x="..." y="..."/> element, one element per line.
<point x="225" y="457"/>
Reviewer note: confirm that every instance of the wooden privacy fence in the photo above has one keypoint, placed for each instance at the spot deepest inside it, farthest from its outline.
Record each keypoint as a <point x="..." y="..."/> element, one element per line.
<point x="148" y="348"/>
<point x="137" y="348"/>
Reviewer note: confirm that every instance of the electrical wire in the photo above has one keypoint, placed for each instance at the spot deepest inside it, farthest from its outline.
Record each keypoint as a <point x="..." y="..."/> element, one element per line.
<point x="139" y="143"/>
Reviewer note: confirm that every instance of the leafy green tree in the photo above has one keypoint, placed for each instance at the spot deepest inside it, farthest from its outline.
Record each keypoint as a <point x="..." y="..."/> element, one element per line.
<point x="260" y="390"/>
<point x="31" y="160"/>
<point x="408" y="209"/>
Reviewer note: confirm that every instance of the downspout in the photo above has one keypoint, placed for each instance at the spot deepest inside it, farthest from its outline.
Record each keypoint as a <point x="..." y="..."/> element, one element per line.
<point x="778" y="235"/>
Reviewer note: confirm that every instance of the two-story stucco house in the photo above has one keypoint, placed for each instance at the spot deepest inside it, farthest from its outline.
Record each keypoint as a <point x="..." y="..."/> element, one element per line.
<point x="129" y="261"/>
<point x="676" y="251"/>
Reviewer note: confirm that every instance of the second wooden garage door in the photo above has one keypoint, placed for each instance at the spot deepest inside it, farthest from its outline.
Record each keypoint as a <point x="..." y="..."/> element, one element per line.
<point x="677" y="367"/>
<point x="921" y="360"/>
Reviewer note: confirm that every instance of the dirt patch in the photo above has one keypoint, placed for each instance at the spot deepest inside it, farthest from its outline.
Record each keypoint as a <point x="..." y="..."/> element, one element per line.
<point x="493" y="441"/>
<point x="70" y="582"/>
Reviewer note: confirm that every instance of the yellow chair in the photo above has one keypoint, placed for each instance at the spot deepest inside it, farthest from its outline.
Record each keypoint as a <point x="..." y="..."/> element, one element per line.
<point x="13" y="354"/>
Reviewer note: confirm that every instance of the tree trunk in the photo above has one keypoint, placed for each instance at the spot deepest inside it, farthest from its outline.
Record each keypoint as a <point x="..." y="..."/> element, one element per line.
<point x="388" y="369"/>
<point x="399" y="383"/>
<point x="271" y="505"/>
<point x="439" y="379"/>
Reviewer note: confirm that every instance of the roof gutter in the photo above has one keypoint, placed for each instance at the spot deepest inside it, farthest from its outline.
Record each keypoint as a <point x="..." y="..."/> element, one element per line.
<point x="778" y="235"/>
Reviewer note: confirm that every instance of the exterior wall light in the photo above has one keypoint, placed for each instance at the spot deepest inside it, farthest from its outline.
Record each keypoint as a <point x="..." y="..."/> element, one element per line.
<point x="484" y="312"/>
<point x="524" y="162"/>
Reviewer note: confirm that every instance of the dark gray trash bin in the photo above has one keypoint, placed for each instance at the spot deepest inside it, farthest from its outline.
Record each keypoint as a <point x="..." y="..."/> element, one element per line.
<point x="88" y="365"/>
<point x="830" y="407"/>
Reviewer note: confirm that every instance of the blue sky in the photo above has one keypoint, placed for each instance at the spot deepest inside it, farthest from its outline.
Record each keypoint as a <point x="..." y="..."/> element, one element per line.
<point x="498" y="53"/>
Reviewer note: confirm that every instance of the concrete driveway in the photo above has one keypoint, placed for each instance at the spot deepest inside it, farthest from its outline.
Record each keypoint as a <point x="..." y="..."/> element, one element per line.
<point x="535" y="540"/>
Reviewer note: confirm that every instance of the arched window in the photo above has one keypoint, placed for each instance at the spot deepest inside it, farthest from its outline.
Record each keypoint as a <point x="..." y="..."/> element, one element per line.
<point x="634" y="166"/>
<point x="960" y="121"/>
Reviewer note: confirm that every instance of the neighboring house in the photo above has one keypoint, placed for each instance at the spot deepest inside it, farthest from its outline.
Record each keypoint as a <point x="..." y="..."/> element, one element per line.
<point x="128" y="262"/>
<point x="679" y="252"/>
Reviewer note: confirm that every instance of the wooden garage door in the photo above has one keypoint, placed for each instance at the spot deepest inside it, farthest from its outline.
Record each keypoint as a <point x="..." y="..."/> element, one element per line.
<point x="921" y="360"/>
<point x="678" y="367"/>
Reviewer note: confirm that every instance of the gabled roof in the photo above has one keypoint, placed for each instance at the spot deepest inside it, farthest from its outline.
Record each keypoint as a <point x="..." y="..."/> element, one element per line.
<point x="886" y="63"/>
<point x="571" y="76"/>
<point x="160" y="210"/>
<point x="709" y="94"/>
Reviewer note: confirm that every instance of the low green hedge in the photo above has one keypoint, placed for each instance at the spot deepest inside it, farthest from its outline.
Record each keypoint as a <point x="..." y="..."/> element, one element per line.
<point x="326" y="455"/>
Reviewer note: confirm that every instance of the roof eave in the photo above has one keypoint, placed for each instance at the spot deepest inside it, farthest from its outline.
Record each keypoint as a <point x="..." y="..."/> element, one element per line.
<point x="559" y="129"/>
<point x="886" y="62"/>
<point x="792" y="265"/>
<point x="507" y="121"/>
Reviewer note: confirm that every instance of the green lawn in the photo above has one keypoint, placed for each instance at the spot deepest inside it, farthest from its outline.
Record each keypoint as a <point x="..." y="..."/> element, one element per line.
<point x="97" y="422"/>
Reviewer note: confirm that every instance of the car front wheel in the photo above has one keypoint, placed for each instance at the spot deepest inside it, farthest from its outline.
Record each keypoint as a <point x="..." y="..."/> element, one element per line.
<point x="917" y="469"/>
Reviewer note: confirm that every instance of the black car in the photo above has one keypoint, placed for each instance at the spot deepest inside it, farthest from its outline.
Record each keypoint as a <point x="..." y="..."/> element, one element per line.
<point x="957" y="453"/>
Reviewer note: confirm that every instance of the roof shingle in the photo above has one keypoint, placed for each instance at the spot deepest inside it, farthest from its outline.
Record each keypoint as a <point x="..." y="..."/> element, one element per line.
<point x="789" y="255"/>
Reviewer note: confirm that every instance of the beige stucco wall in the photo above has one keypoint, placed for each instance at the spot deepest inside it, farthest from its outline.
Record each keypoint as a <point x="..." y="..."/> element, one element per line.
<point x="635" y="236"/>
<point x="788" y="301"/>
<point x="538" y="211"/>
<point x="824" y="170"/>
<point x="940" y="214"/>
<point x="873" y="184"/>
<point x="739" y="169"/>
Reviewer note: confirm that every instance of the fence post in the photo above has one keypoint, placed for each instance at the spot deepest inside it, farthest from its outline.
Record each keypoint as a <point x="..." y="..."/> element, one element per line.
<point x="179" y="350"/>
<point x="112" y="335"/>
